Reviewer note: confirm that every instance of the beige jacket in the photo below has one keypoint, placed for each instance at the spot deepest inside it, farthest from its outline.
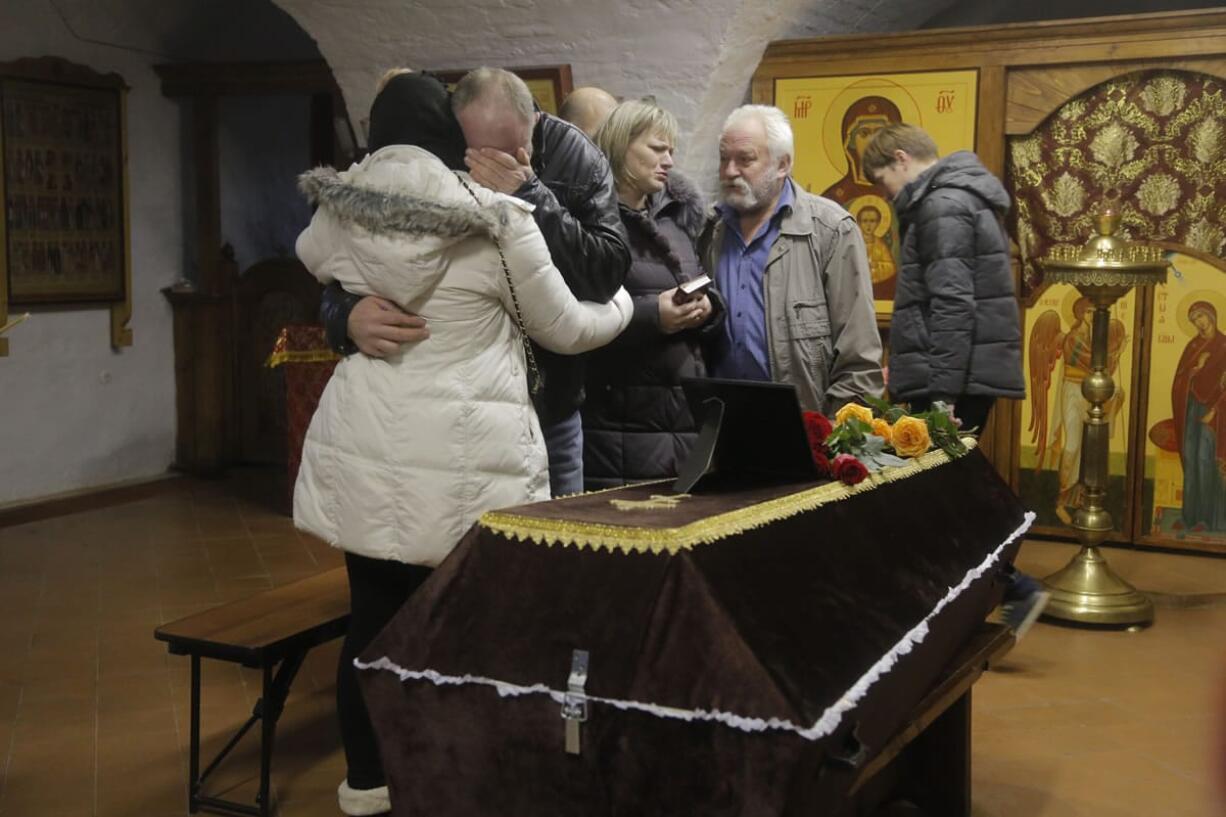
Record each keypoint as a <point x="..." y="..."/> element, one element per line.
<point x="820" y="322"/>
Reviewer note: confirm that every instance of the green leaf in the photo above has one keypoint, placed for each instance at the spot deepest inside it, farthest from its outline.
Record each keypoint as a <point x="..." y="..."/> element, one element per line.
<point x="878" y="405"/>
<point x="879" y="460"/>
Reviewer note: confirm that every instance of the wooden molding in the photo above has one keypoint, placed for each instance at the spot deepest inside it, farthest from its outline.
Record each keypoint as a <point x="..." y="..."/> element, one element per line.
<point x="1011" y="44"/>
<point x="1035" y="93"/>
<point x="88" y="499"/>
<point x="1130" y="40"/>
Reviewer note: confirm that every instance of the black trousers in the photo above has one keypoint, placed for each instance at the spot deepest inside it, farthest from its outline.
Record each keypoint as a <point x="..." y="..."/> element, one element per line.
<point x="377" y="589"/>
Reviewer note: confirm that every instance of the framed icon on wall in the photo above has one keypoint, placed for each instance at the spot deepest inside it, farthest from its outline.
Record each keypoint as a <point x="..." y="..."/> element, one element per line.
<point x="833" y="118"/>
<point x="64" y="183"/>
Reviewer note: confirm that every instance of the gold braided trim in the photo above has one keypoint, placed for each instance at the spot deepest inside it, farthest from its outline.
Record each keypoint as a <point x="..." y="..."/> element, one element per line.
<point x="312" y="356"/>
<point x="634" y="539"/>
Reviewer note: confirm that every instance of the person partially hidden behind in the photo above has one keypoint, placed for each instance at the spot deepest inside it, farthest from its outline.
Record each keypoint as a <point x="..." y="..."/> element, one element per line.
<point x="587" y="108"/>
<point x="955" y="335"/>
<point x="407" y="450"/>
<point x="548" y="163"/>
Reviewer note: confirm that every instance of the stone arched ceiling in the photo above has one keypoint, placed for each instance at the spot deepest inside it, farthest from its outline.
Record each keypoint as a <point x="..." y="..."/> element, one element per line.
<point x="695" y="56"/>
<point x="188" y="30"/>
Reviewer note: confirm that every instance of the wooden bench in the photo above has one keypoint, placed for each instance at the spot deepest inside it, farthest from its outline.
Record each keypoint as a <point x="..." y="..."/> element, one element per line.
<point x="927" y="762"/>
<point x="272" y="631"/>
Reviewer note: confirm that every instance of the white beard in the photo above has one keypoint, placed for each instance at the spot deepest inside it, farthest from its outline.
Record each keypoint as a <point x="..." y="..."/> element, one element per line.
<point x="743" y="197"/>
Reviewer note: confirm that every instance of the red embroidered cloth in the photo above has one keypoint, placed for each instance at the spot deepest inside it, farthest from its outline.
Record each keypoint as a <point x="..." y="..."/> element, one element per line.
<point x="303" y="350"/>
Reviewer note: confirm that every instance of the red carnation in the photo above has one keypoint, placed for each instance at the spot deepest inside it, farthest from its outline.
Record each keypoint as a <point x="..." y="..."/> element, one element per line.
<point x="817" y="427"/>
<point x="821" y="460"/>
<point x="849" y="469"/>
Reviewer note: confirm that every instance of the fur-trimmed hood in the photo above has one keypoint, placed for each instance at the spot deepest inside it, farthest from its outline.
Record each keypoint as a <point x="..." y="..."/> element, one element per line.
<point x="386" y="225"/>
<point x="683" y="194"/>
<point x="365" y="196"/>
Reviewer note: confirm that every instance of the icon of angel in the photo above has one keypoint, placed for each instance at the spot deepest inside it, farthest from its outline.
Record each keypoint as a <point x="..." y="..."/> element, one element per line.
<point x="1050" y="344"/>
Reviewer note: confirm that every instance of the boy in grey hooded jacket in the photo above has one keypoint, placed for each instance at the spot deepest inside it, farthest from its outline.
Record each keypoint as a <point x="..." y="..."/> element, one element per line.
<point x="955" y="335"/>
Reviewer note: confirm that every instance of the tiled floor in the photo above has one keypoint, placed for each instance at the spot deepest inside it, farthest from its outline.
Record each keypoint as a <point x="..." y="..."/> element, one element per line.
<point x="93" y="712"/>
<point x="1091" y="723"/>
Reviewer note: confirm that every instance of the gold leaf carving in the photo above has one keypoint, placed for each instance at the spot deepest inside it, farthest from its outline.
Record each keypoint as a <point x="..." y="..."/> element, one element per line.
<point x="1027" y="152"/>
<point x="1205" y="237"/>
<point x="1163" y="95"/>
<point x="1114" y="145"/>
<point x="1206" y="140"/>
<point x="1150" y="144"/>
<point x="1073" y="110"/>
<point x="1066" y="197"/>
<point x="1158" y="194"/>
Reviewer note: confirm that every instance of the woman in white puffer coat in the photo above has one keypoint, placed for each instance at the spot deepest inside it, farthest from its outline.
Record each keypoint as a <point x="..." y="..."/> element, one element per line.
<point x="405" y="452"/>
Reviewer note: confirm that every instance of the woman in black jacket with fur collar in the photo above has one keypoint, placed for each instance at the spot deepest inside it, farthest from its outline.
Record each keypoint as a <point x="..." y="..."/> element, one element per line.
<point x="636" y="424"/>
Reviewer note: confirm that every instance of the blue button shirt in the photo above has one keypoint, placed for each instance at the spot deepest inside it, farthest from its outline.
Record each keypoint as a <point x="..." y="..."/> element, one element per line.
<point x="742" y="353"/>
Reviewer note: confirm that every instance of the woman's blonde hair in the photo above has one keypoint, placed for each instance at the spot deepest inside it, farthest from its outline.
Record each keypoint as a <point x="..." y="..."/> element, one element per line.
<point x="628" y="122"/>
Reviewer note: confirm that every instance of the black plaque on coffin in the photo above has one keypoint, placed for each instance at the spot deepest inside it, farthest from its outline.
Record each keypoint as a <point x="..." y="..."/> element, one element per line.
<point x="746" y="649"/>
<point x="749" y="433"/>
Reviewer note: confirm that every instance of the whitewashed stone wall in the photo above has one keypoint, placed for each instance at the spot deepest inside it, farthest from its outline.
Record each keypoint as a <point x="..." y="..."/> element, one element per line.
<point x="697" y="58"/>
<point x="75" y="414"/>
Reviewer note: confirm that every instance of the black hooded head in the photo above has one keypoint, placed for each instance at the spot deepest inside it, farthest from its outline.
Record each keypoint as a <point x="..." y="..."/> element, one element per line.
<point x="415" y="109"/>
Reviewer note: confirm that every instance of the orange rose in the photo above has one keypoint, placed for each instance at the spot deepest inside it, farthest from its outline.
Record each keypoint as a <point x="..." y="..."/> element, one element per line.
<point x="911" y="437"/>
<point x="881" y="428"/>
<point x="854" y="410"/>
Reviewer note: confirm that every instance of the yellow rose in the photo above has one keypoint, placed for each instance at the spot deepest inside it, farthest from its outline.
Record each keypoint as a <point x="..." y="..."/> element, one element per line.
<point x="854" y="410"/>
<point x="911" y="437"/>
<point x="881" y="428"/>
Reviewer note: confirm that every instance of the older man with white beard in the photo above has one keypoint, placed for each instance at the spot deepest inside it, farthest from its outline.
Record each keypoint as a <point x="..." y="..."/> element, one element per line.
<point x="794" y="271"/>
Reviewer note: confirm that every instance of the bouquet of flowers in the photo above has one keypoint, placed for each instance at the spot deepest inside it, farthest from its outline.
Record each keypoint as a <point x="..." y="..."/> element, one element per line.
<point x="868" y="438"/>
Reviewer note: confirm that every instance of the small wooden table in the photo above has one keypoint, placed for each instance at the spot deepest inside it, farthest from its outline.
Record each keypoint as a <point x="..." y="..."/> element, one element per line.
<point x="276" y="627"/>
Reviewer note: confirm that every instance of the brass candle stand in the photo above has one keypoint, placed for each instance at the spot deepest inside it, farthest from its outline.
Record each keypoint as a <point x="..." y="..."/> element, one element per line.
<point x="1086" y="590"/>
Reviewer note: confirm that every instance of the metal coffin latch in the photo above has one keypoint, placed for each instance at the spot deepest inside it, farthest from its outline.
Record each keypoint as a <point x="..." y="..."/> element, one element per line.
<point x="574" y="703"/>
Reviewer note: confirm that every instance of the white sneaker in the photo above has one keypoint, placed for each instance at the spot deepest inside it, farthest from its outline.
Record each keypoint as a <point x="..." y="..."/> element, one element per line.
<point x="363" y="802"/>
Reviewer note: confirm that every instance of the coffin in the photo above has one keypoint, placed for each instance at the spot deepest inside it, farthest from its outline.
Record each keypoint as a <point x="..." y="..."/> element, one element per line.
<point x="746" y="650"/>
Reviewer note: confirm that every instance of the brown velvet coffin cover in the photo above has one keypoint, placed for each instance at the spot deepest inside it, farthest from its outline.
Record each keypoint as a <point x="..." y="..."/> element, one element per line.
<point x="811" y="632"/>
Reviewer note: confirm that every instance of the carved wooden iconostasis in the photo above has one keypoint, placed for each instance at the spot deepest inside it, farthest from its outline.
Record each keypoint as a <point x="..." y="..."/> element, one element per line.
<point x="1127" y="111"/>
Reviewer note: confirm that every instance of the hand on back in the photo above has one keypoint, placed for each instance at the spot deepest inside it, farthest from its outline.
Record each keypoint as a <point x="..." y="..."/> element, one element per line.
<point x="378" y="327"/>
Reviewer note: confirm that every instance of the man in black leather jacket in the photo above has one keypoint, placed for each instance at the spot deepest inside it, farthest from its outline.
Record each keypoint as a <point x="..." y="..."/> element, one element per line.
<point x="549" y="163"/>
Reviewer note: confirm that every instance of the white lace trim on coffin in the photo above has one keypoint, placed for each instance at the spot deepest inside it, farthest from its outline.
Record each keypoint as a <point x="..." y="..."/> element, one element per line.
<point x="824" y="725"/>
